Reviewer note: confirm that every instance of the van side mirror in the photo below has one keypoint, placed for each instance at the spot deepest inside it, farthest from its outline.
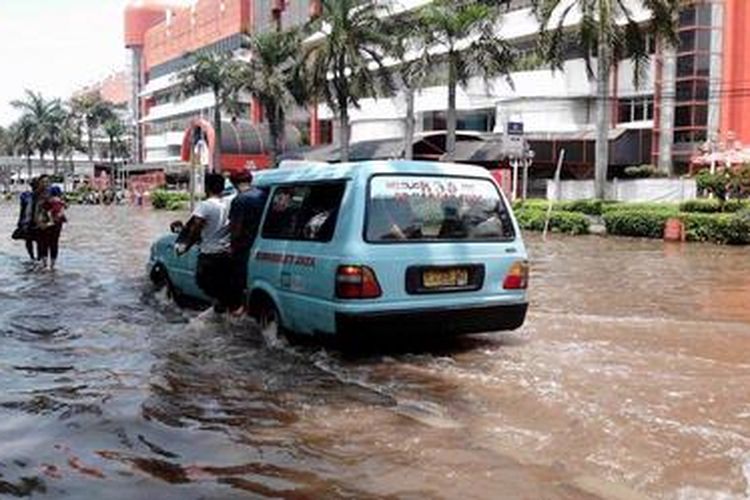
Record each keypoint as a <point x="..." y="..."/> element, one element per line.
<point x="176" y="227"/>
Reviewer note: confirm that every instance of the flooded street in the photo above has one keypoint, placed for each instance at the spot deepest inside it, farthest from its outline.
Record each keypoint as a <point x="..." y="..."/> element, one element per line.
<point x="631" y="379"/>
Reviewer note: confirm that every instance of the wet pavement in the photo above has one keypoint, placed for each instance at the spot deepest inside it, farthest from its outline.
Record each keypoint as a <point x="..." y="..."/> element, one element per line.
<point x="631" y="379"/>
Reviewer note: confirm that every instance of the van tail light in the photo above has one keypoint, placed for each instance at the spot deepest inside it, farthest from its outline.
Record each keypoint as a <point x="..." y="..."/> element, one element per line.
<point x="357" y="282"/>
<point x="517" y="277"/>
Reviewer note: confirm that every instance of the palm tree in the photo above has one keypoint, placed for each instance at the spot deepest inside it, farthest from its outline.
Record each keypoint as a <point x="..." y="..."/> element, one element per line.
<point x="22" y="133"/>
<point x="465" y="32"/>
<point x="608" y="31"/>
<point x="114" y="130"/>
<point x="271" y="76"/>
<point x="222" y="76"/>
<point x="54" y="130"/>
<point x="415" y="65"/>
<point x="38" y="113"/>
<point x="348" y="62"/>
<point x="6" y="142"/>
<point x="93" y="111"/>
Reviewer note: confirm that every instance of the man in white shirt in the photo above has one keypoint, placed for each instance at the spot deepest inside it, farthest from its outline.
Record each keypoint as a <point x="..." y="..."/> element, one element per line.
<point x="209" y="224"/>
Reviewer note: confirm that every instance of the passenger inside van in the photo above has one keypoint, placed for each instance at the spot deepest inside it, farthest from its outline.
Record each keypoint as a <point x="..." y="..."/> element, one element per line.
<point x="392" y="219"/>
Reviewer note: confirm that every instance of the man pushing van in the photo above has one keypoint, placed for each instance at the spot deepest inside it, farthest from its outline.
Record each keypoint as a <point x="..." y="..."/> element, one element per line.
<point x="244" y="222"/>
<point x="209" y="224"/>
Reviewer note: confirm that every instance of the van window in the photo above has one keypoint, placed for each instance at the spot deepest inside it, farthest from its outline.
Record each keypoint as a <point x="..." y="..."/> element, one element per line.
<point x="304" y="212"/>
<point x="432" y="208"/>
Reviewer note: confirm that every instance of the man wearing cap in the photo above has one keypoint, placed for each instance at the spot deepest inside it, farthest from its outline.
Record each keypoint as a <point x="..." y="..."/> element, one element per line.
<point x="245" y="214"/>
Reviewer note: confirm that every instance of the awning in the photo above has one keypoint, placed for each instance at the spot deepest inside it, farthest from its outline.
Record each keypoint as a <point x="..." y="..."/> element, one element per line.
<point x="580" y="135"/>
<point x="479" y="151"/>
<point x="238" y="137"/>
<point x="427" y="146"/>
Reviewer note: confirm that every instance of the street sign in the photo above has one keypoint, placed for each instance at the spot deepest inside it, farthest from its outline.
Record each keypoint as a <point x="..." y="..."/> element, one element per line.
<point x="514" y="128"/>
<point x="513" y="142"/>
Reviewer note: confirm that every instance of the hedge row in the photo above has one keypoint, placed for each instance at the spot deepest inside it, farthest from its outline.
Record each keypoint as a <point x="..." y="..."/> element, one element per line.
<point x="718" y="228"/>
<point x="560" y="221"/>
<point x="733" y="229"/>
<point x="593" y="207"/>
<point x="642" y="223"/>
<point x="705" y="220"/>
<point x="169" y="200"/>
<point x="714" y="206"/>
<point x="599" y="207"/>
<point x="588" y="207"/>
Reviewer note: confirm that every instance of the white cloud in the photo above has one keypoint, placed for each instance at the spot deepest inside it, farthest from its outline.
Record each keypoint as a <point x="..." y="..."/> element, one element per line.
<point x="57" y="46"/>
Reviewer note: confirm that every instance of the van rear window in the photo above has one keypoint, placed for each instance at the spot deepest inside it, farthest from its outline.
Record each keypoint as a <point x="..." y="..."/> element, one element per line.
<point x="430" y="208"/>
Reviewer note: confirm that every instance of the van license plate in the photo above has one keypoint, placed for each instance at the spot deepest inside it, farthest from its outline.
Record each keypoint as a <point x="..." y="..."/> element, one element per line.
<point x="445" y="278"/>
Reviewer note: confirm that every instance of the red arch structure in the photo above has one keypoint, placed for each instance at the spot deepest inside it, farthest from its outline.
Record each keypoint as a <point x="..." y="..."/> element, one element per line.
<point x="244" y="144"/>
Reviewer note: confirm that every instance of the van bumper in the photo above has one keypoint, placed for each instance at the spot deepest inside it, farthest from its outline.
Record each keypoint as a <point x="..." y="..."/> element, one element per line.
<point x="443" y="321"/>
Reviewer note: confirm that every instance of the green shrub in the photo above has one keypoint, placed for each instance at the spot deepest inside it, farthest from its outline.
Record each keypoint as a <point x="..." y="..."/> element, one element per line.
<point x="74" y="198"/>
<point x="713" y="206"/>
<point x="175" y="205"/>
<point x="562" y="222"/>
<point x="643" y="172"/>
<point x="732" y="206"/>
<point x="733" y="229"/>
<point x="712" y="227"/>
<point x="641" y="223"/>
<point x="701" y="206"/>
<point x="725" y="183"/>
<point x="588" y="207"/>
<point x="641" y="207"/>
<point x="533" y="204"/>
<point x="161" y="199"/>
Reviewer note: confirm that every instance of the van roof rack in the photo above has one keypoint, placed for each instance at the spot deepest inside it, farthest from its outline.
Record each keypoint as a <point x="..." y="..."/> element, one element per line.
<point x="302" y="163"/>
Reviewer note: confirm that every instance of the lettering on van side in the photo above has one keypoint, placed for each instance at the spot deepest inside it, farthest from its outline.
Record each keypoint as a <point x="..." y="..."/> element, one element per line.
<point x="285" y="258"/>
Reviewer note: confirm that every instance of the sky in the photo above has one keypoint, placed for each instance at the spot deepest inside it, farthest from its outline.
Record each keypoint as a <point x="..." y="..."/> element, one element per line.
<point x="57" y="46"/>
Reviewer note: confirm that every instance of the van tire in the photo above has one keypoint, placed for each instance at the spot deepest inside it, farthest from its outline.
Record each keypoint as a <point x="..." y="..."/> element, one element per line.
<point x="264" y="311"/>
<point x="176" y="295"/>
<point x="160" y="279"/>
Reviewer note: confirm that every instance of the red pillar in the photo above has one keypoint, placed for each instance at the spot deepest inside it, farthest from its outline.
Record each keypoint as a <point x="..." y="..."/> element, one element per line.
<point x="735" y="105"/>
<point x="256" y="111"/>
<point x="314" y="125"/>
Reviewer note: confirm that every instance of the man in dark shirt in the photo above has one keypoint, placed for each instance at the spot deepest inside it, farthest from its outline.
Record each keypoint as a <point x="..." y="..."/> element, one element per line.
<point x="244" y="223"/>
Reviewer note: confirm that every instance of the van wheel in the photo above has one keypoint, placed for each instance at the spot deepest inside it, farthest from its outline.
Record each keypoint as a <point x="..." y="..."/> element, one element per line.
<point x="176" y="295"/>
<point x="160" y="279"/>
<point x="267" y="316"/>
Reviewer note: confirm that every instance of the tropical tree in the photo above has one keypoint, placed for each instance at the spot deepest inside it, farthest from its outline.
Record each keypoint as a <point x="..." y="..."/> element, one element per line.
<point x="348" y="62"/>
<point x="272" y="77"/>
<point x="56" y="131"/>
<point x="222" y="75"/>
<point x="114" y="129"/>
<point x="415" y="66"/>
<point x="6" y="142"/>
<point x="22" y="132"/>
<point x="608" y="31"/>
<point x="464" y="31"/>
<point x="92" y="111"/>
<point x="38" y="113"/>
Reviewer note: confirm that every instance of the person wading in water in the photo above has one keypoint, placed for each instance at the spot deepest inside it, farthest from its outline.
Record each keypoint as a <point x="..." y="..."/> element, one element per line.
<point x="244" y="220"/>
<point x="208" y="224"/>
<point x="25" y="228"/>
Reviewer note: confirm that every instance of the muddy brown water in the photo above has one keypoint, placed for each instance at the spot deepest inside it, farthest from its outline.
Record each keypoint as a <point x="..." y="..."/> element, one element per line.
<point x="631" y="379"/>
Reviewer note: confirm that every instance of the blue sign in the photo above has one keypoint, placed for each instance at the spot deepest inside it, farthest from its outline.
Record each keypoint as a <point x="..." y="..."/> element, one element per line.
<point x="515" y="128"/>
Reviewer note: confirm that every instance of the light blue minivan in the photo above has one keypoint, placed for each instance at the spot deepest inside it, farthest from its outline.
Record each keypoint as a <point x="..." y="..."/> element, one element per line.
<point x="373" y="247"/>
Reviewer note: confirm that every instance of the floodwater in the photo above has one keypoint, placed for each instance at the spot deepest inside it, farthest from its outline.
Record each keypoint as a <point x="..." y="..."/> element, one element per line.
<point x="631" y="379"/>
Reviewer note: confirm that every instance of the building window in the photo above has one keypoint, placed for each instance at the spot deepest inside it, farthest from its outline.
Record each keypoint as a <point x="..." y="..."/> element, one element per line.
<point x="479" y="120"/>
<point x="635" y="110"/>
